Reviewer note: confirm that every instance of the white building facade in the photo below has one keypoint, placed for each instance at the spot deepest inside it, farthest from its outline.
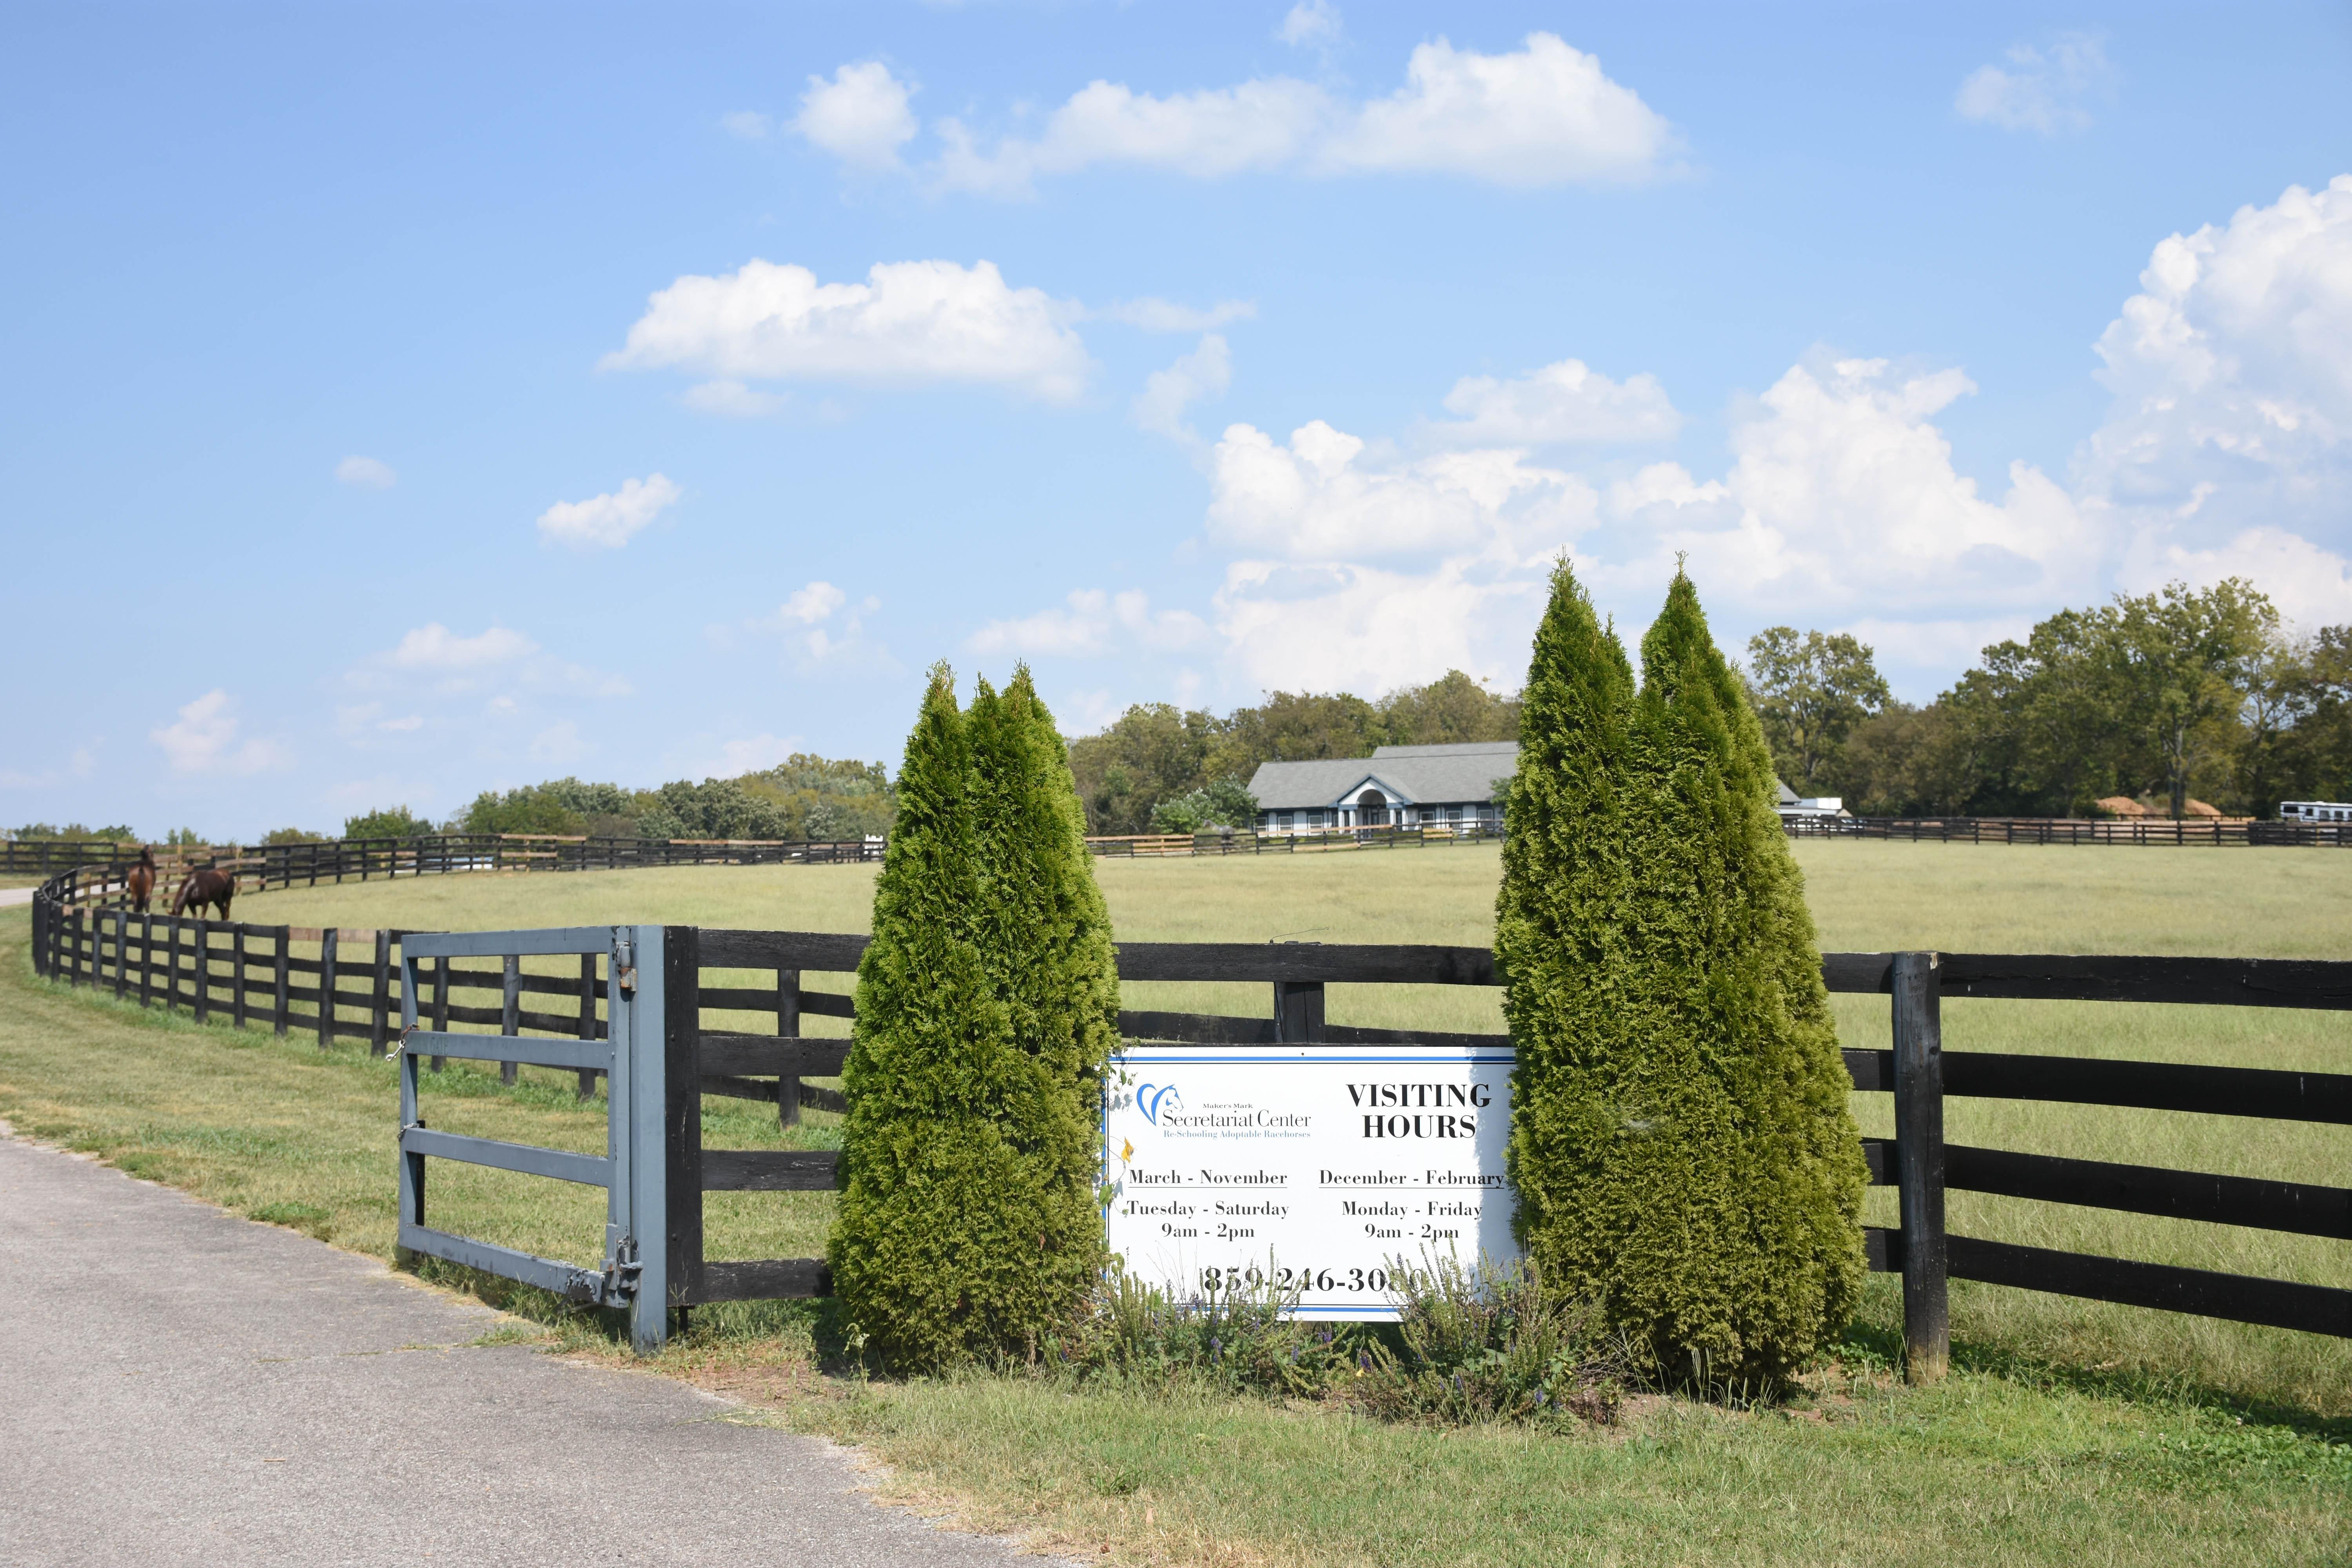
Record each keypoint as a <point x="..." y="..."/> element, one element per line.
<point x="1397" y="787"/>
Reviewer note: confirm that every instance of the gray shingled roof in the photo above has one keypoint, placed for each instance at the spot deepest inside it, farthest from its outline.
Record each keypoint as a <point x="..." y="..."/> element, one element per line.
<point x="1416" y="775"/>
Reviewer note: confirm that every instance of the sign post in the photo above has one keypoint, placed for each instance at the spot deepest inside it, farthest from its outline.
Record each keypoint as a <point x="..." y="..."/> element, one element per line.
<point x="1316" y="1169"/>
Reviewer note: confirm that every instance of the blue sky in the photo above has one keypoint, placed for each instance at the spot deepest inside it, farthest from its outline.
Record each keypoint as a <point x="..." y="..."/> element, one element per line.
<point x="406" y="401"/>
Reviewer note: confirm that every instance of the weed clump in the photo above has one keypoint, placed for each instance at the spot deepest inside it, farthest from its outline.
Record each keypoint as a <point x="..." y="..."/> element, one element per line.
<point x="1494" y="1342"/>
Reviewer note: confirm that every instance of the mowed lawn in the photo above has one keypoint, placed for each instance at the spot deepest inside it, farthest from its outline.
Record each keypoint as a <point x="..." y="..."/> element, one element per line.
<point x="2070" y="1433"/>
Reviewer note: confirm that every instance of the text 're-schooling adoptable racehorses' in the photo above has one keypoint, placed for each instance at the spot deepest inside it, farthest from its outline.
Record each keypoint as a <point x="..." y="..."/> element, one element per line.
<point x="205" y="887"/>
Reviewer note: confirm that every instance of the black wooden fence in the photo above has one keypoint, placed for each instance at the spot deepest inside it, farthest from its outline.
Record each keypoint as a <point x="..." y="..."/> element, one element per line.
<point x="344" y="985"/>
<point x="2145" y="831"/>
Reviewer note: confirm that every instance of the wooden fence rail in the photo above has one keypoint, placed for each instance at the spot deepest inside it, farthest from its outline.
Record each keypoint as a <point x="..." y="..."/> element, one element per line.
<point x="263" y="974"/>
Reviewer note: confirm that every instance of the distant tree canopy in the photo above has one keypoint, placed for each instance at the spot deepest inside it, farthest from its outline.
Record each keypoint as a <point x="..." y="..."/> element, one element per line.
<point x="804" y="797"/>
<point x="292" y="836"/>
<point x="392" y="822"/>
<point x="1158" y="768"/>
<point x="38" y="832"/>
<point x="2163" y="697"/>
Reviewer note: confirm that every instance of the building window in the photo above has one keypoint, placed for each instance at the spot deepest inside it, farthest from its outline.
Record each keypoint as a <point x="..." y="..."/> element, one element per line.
<point x="1453" y="814"/>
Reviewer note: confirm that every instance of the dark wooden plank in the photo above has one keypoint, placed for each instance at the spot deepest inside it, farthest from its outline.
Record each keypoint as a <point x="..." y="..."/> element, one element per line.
<point x="1345" y="964"/>
<point x="2152" y="1086"/>
<point x="781" y="950"/>
<point x="2222" y="982"/>
<point x="1871" y="1070"/>
<point x="1878" y="1154"/>
<point x="767" y="1056"/>
<point x="1864" y="972"/>
<point x="1223" y="1029"/>
<point x="769" y="1170"/>
<point x="1882" y="1249"/>
<point x="822" y="1099"/>
<point x="769" y="1279"/>
<point x="2313" y="1308"/>
<point x="740" y="998"/>
<point x="828" y="1004"/>
<point x="2145" y="1189"/>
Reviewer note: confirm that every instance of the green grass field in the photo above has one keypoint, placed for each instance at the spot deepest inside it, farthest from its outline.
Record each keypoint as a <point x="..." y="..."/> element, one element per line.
<point x="2070" y="1431"/>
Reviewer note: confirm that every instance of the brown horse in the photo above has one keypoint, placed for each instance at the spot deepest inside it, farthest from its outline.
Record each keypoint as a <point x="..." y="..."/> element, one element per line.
<point x="205" y="887"/>
<point x="140" y="882"/>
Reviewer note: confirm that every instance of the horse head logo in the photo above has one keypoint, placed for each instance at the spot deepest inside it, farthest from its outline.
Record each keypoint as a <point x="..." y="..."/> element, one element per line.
<point x="1149" y="1099"/>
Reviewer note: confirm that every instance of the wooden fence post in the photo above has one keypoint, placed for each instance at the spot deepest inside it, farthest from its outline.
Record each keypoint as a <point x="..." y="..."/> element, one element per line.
<point x="1919" y="1164"/>
<point x="146" y="961"/>
<point x="380" y="1003"/>
<point x="327" y="938"/>
<point x="587" y="1088"/>
<point x="440" y="1007"/>
<point x="788" y="1026"/>
<point x="512" y="1004"/>
<point x="172" y="978"/>
<point x="681" y="1027"/>
<point x="236" y="976"/>
<point x="121" y="950"/>
<point x="1298" y="1011"/>
<point x="281" y="972"/>
<point x="200" y="1006"/>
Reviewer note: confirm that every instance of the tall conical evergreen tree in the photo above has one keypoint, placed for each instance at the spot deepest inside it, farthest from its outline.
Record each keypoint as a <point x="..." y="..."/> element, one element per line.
<point x="934" y="1244"/>
<point x="1689" y="1150"/>
<point x="987" y="1004"/>
<point x="1044" y="934"/>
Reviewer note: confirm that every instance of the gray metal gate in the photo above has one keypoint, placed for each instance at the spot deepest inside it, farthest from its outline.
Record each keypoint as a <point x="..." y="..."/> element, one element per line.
<point x="637" y="1264"/>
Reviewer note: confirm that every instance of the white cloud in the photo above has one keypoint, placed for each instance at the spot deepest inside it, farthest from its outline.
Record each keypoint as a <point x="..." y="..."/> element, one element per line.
<point x="2232" y="370"/>
<point x="1568" y="401"/>
<point x="1093" y="623"/>
<point x="1310" y="22"/>
<point x="2311" y="586"/>
<point x="860" y="116"/>
<point x="1544" y="114"/>
<point x="608" y="522"/>
<point x="733" y="399"/>
<point x="813" y="604"/>
<point x="204" y="740"/>
<point x="1165" y="316"/>
<point x="365" y="473"/>
<point x="2045" y="90"/>
<point x="909" y="322"/>
<point x="748" y="124"/>
<point x="434" y="647"/>
<point x="1206" y="372"/>
<point x="1313" y="499"/>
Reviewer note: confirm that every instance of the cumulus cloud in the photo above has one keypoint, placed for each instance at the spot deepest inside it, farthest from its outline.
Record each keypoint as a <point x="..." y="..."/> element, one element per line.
<point x="2232" y="370"/>
<point x="1564" y="402"/>
<point x="909" y="322"/>
<point x="2041" y="90"/>
<point x="433" y="646"/>
<point x="1313" y="500"/>
<point x="2310" y="585"/>
<point x="1310" y="22"/>
<point x="365" y="473"/>
<point x="1165" y="316"/>
<point x="1092" y="622"/>
<point x="1207" y="371"/>
<point x="204" y="740"/>
<point x="1544" y="114"/>
<point x="813" y="604"/>
<point x="860" y="116"/>
<point x="610" y="521"/>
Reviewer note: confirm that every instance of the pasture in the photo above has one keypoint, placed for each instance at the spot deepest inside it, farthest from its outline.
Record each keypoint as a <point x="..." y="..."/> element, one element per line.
<point x="2069" y="1428"/>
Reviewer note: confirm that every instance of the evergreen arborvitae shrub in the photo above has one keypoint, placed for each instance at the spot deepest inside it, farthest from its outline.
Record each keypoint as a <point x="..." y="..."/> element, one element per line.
<point x="968" y="1219"/>
<point x="1681" y="1144"/>
<point x="1045" y="939"/>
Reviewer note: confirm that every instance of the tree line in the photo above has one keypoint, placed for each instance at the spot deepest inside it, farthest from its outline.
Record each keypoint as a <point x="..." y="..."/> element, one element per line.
<point x="1161" y="769"/>
<point x="2163" y="699"/>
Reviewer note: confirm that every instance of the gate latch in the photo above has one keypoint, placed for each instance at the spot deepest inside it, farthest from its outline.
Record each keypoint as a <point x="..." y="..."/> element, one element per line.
<point x="615" y="1285"/>
<point x="625" y="966"/>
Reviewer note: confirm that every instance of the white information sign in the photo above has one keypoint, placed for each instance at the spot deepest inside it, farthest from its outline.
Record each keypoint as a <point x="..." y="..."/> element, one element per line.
<point x="1317" y="1167"/>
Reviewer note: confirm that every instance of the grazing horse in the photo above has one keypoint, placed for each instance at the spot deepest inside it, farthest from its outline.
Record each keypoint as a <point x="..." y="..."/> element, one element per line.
<point x="140" y="882"/>
<point x="205" y="887"/>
